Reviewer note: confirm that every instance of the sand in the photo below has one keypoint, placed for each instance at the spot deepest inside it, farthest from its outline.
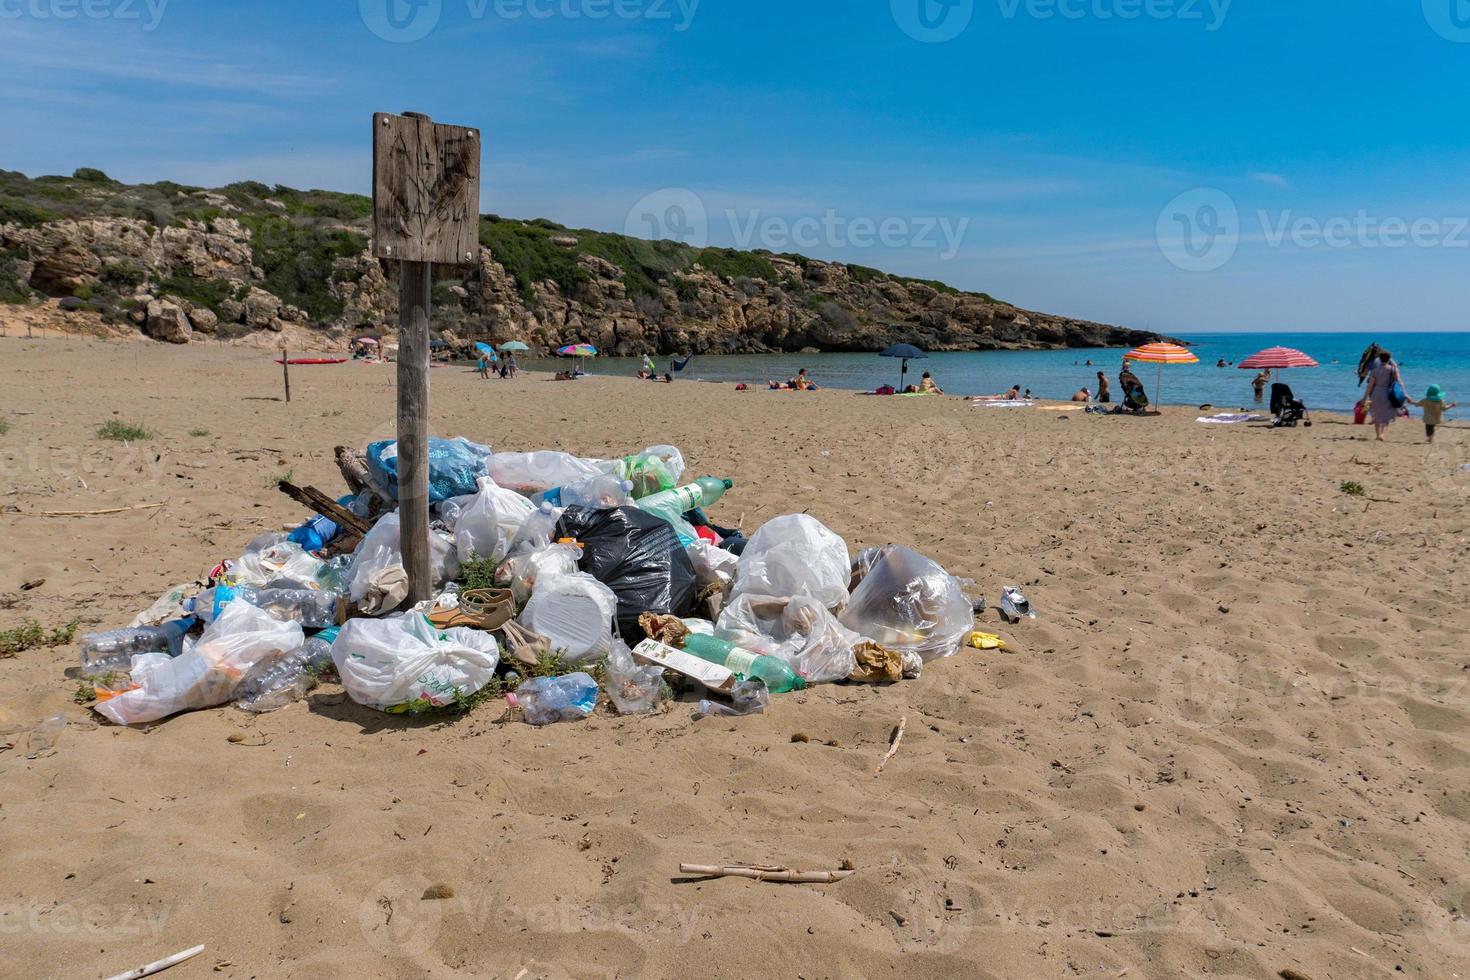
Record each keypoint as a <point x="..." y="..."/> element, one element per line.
<point x="1234" y="741"/>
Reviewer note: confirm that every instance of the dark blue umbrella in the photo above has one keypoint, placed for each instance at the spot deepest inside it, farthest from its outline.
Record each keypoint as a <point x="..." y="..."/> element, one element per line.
<point x="909" y="353"/>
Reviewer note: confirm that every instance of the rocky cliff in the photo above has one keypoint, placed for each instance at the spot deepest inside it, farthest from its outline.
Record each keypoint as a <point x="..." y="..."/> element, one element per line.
<point x="248" y="263"/>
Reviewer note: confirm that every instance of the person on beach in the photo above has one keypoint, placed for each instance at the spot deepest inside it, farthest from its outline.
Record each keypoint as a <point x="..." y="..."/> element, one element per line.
<point x="1104" y="389"/>
<point x="1014" y="394"/>
<point x="1434" y="407"/>
<point x="1382" y="380"/>
<point x="1260" y="382"/>
<point x="1082" y="396"/>
<point x="801" y="382"/>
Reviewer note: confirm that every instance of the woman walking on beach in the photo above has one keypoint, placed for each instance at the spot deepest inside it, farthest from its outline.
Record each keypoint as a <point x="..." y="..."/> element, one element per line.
<point x="1382" y="382"/>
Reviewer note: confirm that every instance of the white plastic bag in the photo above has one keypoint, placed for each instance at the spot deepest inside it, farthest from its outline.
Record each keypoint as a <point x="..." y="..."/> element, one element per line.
<point x="799" y="630"/>
<point x="402" y="663"/>
<point x="167" y="608"/>
<point x="575" y="612"/>
<point x="534" y="472"/>
<point x="207" y="674"/>
<point x="477" y="530"/>
<point x="379" y="560"/>
<point x="907" y="602"/>
<point x="792" y="556"/>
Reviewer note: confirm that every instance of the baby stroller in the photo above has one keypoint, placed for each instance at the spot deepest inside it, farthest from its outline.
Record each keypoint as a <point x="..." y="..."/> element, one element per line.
<point x="1135" y="399"/>
<point x="1287" y="408"/>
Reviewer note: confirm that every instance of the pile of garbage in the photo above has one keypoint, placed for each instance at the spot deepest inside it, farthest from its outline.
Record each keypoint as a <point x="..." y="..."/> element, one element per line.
<point x="560" y="583"/>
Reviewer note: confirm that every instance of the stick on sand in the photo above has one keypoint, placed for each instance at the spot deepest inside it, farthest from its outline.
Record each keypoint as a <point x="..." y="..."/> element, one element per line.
<point x="158" y="966"/>
<point x="89" y="513"/>
<point x="897" y="740"/>
<point x="765" y="873"/>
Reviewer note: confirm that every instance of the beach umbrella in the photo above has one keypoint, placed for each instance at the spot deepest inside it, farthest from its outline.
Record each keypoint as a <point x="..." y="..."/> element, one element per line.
<point x="578" y="350"/>
<point x="514" y="345"/>
<point x="1276" y="359"/>
<point x="907" y="352"/>
<point x="1161" y="354"/>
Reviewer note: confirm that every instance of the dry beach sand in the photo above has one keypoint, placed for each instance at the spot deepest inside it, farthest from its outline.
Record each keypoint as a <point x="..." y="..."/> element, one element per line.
<point x="1233" y="743"/>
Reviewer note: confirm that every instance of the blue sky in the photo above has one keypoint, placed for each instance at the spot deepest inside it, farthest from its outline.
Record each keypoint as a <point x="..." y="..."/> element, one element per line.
<point x="1172" y="164"/>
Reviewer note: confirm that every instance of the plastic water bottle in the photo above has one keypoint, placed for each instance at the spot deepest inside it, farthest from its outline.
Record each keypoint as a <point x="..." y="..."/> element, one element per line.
<point x="597" y="493"/>
<point x="777" y="674"/>
<point x="311" y="608"/>
<point x="704" y="492"/>
<point x="548" y="700"/>
<point x="115" y="650"/>
<point x="277" y="681"/>
<point x="536" y="532"/>
<point x="42" y="740"/>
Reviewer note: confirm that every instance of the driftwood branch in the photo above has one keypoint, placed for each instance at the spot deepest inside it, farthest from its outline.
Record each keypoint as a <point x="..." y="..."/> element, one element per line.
<point x="158" y="966"/>
<point x="766" y="873"/>
<point x="320" y="503"/>
<point x="897" y="741"/>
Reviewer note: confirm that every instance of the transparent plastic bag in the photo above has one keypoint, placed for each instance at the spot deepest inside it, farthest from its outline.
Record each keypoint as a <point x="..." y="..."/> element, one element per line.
<point x="908" y="603"/>
<point x="633" y="690"/>
<point x="656" y="469"/>
<point x="402" y="663"/>
<point x="206" y="674"/>
<point x="534" y="472"/>
<point x="283" y="559"/>
<point x="795" y="555"/>
<point x="799" y="630"/>
<point x="575" y="612"/>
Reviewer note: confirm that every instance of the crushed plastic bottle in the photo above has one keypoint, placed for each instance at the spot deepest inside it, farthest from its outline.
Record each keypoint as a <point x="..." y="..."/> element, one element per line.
<point x="1015" y="605"/>
<point x="42" y="741"/>
<point x="272" y="684"/>
<point x="749" y="698"/>
<point x="312" y="608"/>
<point x="115" y="650"/>
<point x="548" y="700"/>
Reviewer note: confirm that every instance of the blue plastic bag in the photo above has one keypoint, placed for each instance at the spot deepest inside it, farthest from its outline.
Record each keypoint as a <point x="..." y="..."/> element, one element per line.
<point x="455" y="467"/>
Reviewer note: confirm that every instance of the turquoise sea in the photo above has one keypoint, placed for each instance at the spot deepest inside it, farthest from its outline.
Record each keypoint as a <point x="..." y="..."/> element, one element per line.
<point x="1437" y="358"/>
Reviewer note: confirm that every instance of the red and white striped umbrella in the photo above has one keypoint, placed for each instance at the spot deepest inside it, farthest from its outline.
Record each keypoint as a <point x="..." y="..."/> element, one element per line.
<point x="1275" y="358"/>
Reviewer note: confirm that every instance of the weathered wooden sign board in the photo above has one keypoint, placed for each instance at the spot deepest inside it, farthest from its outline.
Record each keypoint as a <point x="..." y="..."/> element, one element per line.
<point x="426" y="190"/>
<point x="426" y="212"/>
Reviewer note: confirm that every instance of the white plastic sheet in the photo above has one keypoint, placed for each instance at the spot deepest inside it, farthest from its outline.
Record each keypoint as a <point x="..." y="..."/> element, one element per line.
<point x="379" y="554"/>
<point x="403" y="663"/>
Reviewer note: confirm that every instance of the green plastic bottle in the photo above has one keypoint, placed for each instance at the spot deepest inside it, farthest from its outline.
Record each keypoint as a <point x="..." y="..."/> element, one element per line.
<point x="704" y="492"/>
<point x="744" y="664"/>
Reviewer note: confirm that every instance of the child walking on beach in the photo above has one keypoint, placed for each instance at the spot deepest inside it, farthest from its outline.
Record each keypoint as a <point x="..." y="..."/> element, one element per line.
<point x="1434" y="408"/>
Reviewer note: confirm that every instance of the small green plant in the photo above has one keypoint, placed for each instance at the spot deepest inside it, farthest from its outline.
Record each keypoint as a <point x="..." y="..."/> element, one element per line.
<point x="1353" y="489"/>
<point x="30" y="635"/>
<point x="199" y="433"/>
<point x="119" y="431"/>
<point x="4" y="426"/>
<point x="478" y="573"/>
<point x="86" y="691"/>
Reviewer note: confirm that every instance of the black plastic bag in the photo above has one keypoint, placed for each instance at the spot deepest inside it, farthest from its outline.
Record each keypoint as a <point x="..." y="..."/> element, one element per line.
<point x="639" y="557"/>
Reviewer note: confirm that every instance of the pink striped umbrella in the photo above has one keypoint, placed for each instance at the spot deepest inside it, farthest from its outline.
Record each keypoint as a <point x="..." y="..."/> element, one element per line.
<point x="1275" y="358"/>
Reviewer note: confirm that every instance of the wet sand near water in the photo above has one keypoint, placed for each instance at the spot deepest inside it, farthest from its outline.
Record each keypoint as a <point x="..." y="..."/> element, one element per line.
<point x="1233" y="742"/>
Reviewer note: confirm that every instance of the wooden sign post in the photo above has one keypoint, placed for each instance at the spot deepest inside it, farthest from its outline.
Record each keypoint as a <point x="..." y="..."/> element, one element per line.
<point x="426" y="210"/>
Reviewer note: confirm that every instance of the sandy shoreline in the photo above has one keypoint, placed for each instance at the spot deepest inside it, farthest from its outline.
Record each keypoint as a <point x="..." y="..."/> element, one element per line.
<point x="1234" y="742"/>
